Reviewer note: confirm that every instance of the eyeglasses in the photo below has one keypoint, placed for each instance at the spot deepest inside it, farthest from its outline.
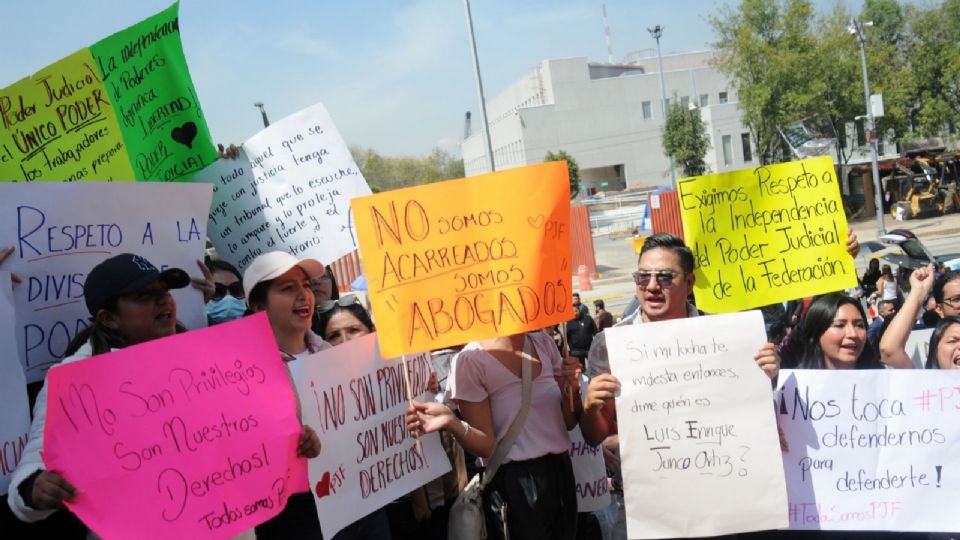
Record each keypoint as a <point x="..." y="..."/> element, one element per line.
<point x="953" y="301"/>
<point x="664" y="277"/>
<point x="235" y="289"/>
<point x="347" y="300"/>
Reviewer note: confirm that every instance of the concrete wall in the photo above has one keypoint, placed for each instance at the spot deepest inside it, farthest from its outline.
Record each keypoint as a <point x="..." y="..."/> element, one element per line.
<point x="600" y="121"/>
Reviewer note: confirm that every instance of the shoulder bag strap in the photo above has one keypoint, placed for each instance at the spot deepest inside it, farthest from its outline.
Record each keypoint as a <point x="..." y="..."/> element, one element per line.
<point x="506" y="443"/>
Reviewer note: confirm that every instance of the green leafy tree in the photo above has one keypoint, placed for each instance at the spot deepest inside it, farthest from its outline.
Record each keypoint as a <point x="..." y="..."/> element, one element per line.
<point x="934" y="53"/>
<point x="572" y="167"/>
<point x="685" y="139"/>
<point x="765" y="48"/>
<point x="386" y="172"/>
<point x="838" y="80"/>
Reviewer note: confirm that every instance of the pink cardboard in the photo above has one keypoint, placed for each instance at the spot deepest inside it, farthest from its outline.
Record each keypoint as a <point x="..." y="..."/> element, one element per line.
<point x="191" y="436"/>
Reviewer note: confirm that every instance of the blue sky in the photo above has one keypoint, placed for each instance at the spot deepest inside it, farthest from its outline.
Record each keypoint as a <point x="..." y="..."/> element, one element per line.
<point x="395" y="74"/>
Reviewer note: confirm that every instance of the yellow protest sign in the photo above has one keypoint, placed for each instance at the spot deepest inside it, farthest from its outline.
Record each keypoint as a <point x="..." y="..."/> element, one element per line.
<point x="468" y="259"/>
<point x="766" y="235"/>
<point x="60" y="124"/>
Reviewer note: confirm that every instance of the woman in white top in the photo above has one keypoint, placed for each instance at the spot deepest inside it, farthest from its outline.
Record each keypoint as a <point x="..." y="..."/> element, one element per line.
<point x="535" y="483"/>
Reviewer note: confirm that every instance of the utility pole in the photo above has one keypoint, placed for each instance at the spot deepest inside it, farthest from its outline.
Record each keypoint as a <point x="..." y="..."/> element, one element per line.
<point x="263" y="113"/>
<point x="476" y="72"/>
<point x="856" y="27"/>
<point x="655" y="33"/>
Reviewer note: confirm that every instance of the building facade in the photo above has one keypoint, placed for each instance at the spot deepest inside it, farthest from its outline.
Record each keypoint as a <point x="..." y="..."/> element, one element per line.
<point x="608" y="116"/>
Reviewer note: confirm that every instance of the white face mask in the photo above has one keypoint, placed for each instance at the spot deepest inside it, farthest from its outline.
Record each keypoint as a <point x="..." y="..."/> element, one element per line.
<point x="226" y="309"/>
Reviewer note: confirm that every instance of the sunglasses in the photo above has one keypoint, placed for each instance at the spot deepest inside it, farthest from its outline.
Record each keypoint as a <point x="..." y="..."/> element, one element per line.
<point x="664" y="277"/>
<point x="235" y="289"/>
<point x="347" y="300"/>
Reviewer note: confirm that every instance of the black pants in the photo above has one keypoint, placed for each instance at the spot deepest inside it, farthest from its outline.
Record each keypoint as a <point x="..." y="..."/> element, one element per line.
<point x="541" y="499"/>
<point x="298" y="520"/>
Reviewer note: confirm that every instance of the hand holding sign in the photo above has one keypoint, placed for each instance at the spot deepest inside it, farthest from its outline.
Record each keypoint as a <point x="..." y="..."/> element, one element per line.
<point x="696" y="427"/>
<point x="765" y="235"/>
<point x="198" y="432"/>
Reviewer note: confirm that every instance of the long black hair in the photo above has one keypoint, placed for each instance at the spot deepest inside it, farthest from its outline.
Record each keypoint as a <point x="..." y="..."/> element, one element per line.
<point x="804" y="351"/>
<point x="938" y="332"/>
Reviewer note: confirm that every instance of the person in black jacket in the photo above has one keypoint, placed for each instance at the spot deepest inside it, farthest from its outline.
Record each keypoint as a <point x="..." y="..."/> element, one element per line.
<point x="580" y="331"/>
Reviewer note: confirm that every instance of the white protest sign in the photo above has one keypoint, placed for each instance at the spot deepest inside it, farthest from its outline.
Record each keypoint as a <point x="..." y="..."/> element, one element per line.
<point x="918" y="343"/>
<point x="290" y="190"/>
<point x="62" y="230"/>
<point x="697" y="429"/>
<point x="15" y="411"/>
<point x="356" y="401"/>
<point x="871" y="449"/>
<point x="590" y="472"/>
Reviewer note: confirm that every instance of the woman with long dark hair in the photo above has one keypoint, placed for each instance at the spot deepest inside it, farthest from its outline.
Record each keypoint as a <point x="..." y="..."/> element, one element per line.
<point x="129" y="302"/>
<point x="832" y="335"/>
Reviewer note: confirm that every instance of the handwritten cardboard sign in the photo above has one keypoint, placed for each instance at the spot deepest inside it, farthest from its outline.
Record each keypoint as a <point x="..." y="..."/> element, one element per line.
<point x="62" y="230"/>
<point x="871" y="449"/>
<point x="697" y="430"/>
<point x="766" y="235"/>
<point x="191" y="436"/>
<point x="590" y="473"/>
<point x="15" y="411"/>
<point x="461" y="260"/>
<point x="357" y="401"/>
<point x="289" y="190"/>
<point x="122" y="109"/>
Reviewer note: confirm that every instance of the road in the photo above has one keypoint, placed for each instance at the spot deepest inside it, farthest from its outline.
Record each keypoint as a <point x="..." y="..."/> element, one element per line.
<point x="616" y="260"/>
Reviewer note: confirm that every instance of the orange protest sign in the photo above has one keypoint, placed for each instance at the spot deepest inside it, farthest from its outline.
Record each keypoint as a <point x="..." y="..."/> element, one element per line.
<point x="467" y="259"/>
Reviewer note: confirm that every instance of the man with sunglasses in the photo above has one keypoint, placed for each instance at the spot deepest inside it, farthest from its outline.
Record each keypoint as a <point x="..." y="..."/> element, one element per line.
<point x="664" y="280"/>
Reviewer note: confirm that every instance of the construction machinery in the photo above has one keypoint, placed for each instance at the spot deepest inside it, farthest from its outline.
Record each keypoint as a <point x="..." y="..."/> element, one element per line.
<point x="927" y="188"/>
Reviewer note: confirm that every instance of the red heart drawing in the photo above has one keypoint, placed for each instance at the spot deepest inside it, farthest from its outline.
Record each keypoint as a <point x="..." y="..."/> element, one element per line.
<point x="323" y="486"/>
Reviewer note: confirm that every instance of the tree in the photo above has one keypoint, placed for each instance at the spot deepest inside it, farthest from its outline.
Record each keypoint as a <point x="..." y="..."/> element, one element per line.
<point x="934" y="53"/>
<point x="572" y="167"/>
<point x="765" y="48"/>
<point x="839" y="79"/>
<point x="385" y="172"/>
<point x="685" y="139"/>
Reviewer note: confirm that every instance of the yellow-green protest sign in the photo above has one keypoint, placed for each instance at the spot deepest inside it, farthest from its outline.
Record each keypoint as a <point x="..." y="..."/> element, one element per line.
<point x="122" y="109"/>
<point x="765" y="235"/>
<point x="468" y="259"/>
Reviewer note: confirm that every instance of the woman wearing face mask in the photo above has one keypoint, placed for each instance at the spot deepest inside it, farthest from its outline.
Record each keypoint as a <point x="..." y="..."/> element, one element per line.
<point x="129" y="302"/>
<point x="279" y="284"/>
<point x="228" y="301"/>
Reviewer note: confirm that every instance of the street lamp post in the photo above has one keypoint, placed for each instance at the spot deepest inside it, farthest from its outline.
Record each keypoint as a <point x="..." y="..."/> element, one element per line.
<point x="476" y="71"/>
<point x="856" y="27"/>
<point x="263" y="113"/>
<point x="655" y="33"/>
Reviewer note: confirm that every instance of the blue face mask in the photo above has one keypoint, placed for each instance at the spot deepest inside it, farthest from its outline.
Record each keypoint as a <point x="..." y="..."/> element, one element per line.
<point x="226" y="309"/>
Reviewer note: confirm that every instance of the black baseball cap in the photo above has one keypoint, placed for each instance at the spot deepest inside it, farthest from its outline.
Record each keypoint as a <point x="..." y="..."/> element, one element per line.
<point x="124" y="274"/>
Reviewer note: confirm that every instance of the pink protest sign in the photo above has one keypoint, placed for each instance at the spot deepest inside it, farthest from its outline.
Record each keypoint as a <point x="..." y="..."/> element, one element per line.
<point x="191" y="436"/>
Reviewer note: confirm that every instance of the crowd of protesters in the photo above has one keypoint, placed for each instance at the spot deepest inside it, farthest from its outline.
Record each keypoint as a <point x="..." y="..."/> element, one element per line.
<point x="129" y="302"/>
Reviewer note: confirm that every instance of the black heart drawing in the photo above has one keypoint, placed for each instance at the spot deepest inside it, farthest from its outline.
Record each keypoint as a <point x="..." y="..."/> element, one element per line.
<point x="535" y="222"/>
<point x="185" y="134"/>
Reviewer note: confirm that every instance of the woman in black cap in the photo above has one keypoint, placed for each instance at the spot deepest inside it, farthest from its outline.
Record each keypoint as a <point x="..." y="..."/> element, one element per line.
<point x="129" y="301"/>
